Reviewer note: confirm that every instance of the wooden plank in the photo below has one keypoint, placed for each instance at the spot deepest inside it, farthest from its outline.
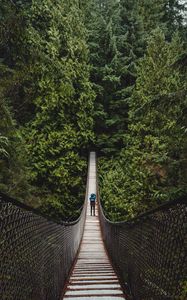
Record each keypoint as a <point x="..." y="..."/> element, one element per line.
<point x="93" y="276"/>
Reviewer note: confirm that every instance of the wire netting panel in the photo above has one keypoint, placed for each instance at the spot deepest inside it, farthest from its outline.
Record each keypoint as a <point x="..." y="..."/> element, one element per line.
<point x="149" y="252"/>
<point x="36" y="254"/>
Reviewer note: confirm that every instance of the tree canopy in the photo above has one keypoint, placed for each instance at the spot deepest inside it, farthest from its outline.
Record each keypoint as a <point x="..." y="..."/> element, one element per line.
<point x="108" y="74"/>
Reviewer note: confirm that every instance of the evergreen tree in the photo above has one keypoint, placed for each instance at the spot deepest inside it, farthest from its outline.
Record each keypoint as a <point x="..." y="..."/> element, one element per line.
<point x="47" y="101"/>
<point x="151" y="168"/>
<point x="13" y="172"/>
<point x="118" y="31"/>
<point x="62" y="125"/>
<point x="152" y="14"/>
<point x="173" y="16"/>
<point x="102" y="22"/>
<point x="115" y="45"/>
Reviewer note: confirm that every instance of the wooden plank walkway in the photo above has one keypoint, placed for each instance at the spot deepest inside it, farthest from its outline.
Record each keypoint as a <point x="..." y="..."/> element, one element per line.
<point x="93" y="276"/>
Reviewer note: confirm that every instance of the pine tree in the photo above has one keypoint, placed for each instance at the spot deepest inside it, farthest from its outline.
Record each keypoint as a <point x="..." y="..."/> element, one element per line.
<point x="115" y="32"/>
<point x="62" y="125"/>
<point x="151" y="168"/>
<point x="13" y="171"/>
<point x="173" y="16"/>
<point x="101" y="25"/>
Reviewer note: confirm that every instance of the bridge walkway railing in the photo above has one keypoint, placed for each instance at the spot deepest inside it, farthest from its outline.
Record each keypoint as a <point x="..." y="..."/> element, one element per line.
<point x="36" y="253"/>
<point x="93" y="277"/>
<point x="149" y="252"/>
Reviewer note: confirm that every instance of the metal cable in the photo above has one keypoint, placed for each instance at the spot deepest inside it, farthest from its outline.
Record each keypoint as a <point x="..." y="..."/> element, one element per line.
<point x="36" y="254"/>
<point x="148" y="252"/>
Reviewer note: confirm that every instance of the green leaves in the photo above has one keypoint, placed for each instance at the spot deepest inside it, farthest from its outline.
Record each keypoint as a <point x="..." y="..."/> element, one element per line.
<point x="62" y="125"/>
<point x="3" y="146"/>
<point x="151" y="168"/>
<point x="49" y="116"/>
<point x="45" y="87"/>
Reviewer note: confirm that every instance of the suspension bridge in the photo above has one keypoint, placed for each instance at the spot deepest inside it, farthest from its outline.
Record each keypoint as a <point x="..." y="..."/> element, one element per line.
<point x="92" y="257"/>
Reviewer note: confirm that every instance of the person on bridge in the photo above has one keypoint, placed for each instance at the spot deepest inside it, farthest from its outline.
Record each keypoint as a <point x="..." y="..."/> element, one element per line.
<point x="92" y="203"/>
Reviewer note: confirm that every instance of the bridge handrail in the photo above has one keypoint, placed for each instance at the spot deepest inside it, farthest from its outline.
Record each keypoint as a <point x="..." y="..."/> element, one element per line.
<point x="36" y="251"/>
<point x="148" y="251"/>
<point x="131" y="221"/>
<point x="6" y="198"/>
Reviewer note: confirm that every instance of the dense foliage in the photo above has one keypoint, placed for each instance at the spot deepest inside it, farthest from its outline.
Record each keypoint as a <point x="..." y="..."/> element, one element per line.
<point x="151" y="167"/>
<point x="108" y="73"/>
<point x="48" y="101"/>
<point x="138" y="53"/>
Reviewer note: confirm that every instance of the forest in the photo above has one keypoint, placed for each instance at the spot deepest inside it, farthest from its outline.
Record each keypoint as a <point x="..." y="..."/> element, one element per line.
<point x="109" y="75"/>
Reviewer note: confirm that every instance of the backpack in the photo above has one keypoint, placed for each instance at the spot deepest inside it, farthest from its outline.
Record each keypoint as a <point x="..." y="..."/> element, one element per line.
<point x="92" y="197"/>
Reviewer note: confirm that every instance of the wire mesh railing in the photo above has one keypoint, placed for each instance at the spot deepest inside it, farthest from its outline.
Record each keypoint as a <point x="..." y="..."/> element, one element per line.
<point x="36" y="254"/>
<point x="148" y="252"/>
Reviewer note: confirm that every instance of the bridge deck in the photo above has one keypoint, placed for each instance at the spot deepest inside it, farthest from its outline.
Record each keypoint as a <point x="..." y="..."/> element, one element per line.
<point x="93" y="277"/>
